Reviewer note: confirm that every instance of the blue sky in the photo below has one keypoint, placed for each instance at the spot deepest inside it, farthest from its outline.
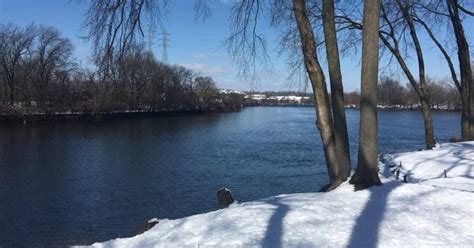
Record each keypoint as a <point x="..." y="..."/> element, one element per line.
<point x="197" y="45"/>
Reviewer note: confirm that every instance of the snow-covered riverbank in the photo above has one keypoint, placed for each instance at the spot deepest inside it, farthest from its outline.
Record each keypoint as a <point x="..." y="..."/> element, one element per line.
<point x="435" y="208"/>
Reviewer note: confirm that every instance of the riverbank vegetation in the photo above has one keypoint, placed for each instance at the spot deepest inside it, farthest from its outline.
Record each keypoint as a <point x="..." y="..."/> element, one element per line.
<point x="392" y="94"/>
<point x="39" y="76"/>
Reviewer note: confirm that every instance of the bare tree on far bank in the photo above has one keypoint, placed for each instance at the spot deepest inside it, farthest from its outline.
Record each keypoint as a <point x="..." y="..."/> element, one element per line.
<point x="14" y="48"/>
<point x="50" y="64"/>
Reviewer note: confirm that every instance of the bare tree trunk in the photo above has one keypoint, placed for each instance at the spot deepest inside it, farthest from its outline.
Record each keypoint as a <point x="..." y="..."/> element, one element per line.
<point x="467" y="93"/>
<point x="337" y="91"/>
<point x="366" y="174"/>
<point x="428" y="122"/>
<point x="321" y="97"/>
<point x="420" y="92"/>
<point x="424" y="101"/>
<point x="10" y="82"/>
<point x="12" y="94"/>
<point x="419" y="89"/>
<point x="464" y="101"/>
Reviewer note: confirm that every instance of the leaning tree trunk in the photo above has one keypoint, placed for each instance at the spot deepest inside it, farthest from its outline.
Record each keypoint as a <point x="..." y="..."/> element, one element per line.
<point x="464" y="100"/>
<point x="321" y="97"/>
<point x="366" y="174"/>
<point x="467" y="93"/>
<point x="420" y="92"/>
<point x="337" y="91"/>
<point x="419" y="89"/>
<point x="424" y="101"/>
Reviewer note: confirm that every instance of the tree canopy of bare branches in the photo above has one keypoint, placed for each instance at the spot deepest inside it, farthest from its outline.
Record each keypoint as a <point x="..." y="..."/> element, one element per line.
<point x="115" y="25"/>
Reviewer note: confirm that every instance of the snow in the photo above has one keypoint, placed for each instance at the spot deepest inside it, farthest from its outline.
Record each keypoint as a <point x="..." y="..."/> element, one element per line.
<point x="154" y="220"/>
<point x="428" y="167"/>
<point x="430" y="210"/>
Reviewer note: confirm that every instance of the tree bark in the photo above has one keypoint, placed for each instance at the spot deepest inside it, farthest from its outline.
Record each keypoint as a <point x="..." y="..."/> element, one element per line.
<point x="467" y="93"/>
<point x="323" y="112"/>
<point x="428" y="122"/>
<point x="337" y="91"/>
<point x="366" y="174"/>
<point x="12" y="94"/>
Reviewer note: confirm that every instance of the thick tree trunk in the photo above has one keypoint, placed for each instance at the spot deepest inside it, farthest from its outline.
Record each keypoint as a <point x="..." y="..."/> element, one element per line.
<point x="366" y="174"/>
<point x="321" y="97"/>
<point x="337" y="91"/>
<point x="467" y="93"/>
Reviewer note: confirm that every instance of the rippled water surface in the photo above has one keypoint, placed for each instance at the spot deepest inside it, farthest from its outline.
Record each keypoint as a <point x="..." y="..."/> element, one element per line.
<point x="76" y="183"/>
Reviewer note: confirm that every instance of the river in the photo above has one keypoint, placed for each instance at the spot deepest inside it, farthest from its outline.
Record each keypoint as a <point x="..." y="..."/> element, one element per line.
<point x="78" y="183"/>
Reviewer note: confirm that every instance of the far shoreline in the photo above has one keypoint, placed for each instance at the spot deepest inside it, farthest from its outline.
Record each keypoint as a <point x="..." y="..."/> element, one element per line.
<point x="355" y="108"/>
<point x="94" y="117"/>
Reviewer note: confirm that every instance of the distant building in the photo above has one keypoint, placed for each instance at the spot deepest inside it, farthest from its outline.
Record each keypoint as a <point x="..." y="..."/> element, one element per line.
<point x="268" y="98"/>
<point x="227" y="91"/>
<point x="289" y="99"/>
<point x="258" y="97"/>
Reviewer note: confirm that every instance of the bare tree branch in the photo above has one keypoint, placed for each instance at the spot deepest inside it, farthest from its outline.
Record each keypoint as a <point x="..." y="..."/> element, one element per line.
<point x="246" y="45"/>
<point x="113" y="25"/>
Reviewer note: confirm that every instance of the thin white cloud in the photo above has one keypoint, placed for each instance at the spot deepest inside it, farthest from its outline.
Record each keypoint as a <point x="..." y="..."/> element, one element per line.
<point x="207" y="69"/>
<point x="200" y="56"/>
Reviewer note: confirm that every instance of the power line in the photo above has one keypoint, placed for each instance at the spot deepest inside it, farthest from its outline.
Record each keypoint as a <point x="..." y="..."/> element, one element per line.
<point x="150" y="38"/>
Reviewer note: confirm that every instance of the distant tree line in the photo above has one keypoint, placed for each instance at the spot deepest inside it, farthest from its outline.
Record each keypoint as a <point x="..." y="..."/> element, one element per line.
<point x="442" y="94"/>
<point x="392" y="94"/>
<point x="39" y="74"/>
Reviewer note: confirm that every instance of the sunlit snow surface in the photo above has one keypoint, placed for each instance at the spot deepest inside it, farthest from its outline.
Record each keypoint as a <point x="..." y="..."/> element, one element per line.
<point x="430" y="210"/>
<point x="429" y="167"/>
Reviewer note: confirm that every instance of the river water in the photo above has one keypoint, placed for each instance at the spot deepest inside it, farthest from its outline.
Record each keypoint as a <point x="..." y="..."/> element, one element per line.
<point x="77" y="183"/>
